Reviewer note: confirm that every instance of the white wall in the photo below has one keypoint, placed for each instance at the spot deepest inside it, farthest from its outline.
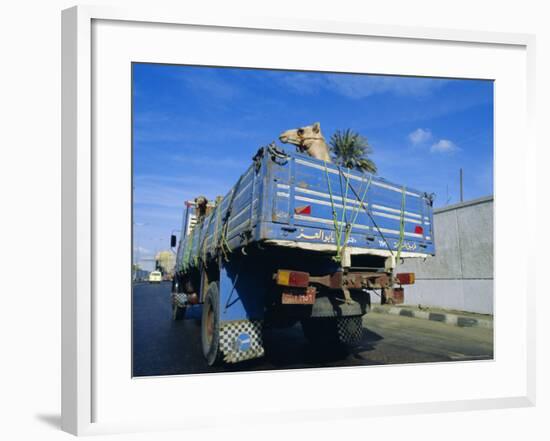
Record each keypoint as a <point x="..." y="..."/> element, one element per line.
<point x="30" y="214"/>
<point x="460" y="275"/>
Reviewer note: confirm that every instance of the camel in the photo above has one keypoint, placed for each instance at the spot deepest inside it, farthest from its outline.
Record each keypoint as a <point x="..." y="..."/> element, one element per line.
<point x="308" y="139"/>
<point x="201" y="205"/>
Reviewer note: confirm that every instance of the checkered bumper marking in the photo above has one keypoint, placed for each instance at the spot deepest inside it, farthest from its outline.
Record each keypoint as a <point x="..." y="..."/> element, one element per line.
<point x="179" y="299"/>
<point x="241" y="340"/>
<point x="350" y="330"/>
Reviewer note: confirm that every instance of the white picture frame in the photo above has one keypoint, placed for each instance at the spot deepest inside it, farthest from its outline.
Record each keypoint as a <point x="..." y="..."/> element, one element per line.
<point x="82" y="376"/>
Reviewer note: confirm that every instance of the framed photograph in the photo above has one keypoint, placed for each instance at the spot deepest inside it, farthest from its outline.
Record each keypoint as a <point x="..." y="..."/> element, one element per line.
<point x="295" y="220"/>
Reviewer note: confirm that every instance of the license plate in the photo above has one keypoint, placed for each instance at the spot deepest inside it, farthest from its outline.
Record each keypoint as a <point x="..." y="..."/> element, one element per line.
<point x="294" y="298"/>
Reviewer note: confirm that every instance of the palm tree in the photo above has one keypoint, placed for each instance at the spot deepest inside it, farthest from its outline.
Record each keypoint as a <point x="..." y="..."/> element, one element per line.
<point x="351" y="150"/>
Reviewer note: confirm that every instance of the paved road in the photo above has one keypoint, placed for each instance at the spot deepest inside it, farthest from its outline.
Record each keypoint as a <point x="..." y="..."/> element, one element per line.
<point x="164" y="347"/>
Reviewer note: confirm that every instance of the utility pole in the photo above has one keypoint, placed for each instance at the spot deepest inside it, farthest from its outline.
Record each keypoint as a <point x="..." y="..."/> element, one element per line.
<point x="461" y="187"/>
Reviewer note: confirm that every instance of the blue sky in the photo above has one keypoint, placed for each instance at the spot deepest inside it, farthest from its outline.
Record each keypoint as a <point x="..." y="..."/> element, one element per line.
<point x="195" y="130"/>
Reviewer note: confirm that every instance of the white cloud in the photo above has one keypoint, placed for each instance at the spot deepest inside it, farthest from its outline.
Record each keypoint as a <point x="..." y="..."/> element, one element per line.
<point x="171" y="192"/>
<point x="302" y="83"/>
<point x="362" y="86"/>
<point x="420" y="136"/>
<point x="240" y="163"/>
<point x="210" y="83"/>
<point x="141" y="249"/>
<point x="359" y="86"/>
<point x="444" y="146"/>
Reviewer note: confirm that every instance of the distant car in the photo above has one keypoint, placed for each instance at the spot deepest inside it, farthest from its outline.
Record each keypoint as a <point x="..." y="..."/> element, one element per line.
<point x="155" y="277"/>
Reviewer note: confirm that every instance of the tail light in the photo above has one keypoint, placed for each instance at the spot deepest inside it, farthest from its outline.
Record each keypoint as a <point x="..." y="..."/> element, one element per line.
<point x="418" y="229"/>
<point x="296" y="279"/>
<point x="405" y="278"/>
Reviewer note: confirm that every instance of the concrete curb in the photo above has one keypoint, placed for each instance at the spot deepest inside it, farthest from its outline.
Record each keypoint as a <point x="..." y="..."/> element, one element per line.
<point x="447" y="318"/>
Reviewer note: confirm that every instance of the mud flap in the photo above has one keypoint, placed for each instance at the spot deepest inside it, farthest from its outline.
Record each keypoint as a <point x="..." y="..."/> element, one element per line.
<point x="179" y="299"/>
<point x="350" y="329"/>
<point x="241" y="340"/>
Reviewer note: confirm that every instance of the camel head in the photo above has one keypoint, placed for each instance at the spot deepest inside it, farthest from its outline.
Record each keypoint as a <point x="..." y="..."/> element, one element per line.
<point x="303" y="136"/>
<point x="201" y="204"/>
<point x="308" y="139"/>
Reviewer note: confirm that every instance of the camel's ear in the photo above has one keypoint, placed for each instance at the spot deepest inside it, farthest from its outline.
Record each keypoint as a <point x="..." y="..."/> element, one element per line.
<point x="316" y="127"/>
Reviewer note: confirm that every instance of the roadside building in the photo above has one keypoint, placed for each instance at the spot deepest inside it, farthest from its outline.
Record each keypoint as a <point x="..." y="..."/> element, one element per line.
<point x="460" y="276"/>
<point x="165" y="261"/>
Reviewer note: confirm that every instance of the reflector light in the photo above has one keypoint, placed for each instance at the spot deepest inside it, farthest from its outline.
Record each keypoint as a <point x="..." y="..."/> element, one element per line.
<point x="418" y="229"/>
<point x="296" y="279"/>
<point x="405" y="278"/>
<point x="305" y="209"/>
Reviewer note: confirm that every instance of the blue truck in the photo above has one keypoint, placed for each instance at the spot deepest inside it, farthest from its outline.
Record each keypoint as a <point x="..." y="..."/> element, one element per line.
<point x="296" y="239"/>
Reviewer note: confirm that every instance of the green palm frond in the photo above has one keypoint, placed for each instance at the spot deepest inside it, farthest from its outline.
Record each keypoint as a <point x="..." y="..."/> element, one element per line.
<point x="351" y="150"/>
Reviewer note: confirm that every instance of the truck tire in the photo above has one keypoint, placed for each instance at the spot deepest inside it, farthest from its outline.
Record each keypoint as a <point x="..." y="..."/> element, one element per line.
<point x="210" y="325"/>
<point x="333" y="331"/>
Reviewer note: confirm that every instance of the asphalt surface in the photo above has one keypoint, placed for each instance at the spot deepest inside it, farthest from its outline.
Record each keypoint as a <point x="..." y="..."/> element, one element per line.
<point x="165" y="347"/>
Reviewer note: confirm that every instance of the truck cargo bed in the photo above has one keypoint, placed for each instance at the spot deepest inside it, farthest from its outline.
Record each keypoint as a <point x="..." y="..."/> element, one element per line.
<point x="292" y="200"/>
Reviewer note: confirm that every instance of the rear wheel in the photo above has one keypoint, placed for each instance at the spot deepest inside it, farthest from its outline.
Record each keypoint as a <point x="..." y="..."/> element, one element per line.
<point x="210" y="325"/>
<point x="333" y="331"/>
<point x="320" y="331"/>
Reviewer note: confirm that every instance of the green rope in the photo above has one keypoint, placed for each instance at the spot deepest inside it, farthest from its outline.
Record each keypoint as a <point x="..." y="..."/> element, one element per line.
<point x="221" y="241"/>
<point x="345" y="200"/>
<point x="225" y="248"/>
<point x="373" y="221"/>
<point x="401" y="226"/>
<point x="196" y="255"/>
<point x="218" y="216"/>
<point x="188" y="249"/>
<point x="224" y="244"/>
<point x="338" y="257"/>
<point x="203" y="246"/>
<point x="356" y="211"/>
